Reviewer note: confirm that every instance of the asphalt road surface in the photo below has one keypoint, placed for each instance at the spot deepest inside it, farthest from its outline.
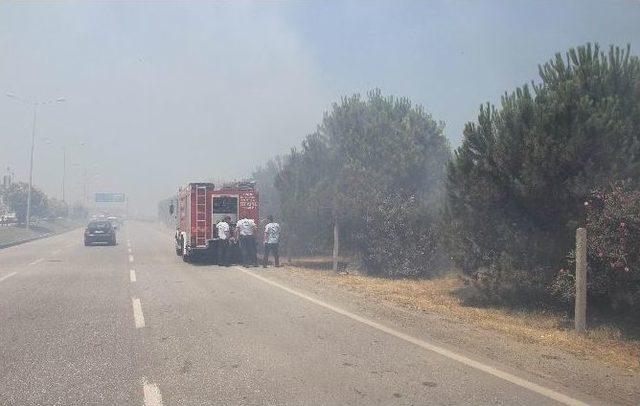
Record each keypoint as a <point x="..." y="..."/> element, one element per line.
<point x="134" y="325"/>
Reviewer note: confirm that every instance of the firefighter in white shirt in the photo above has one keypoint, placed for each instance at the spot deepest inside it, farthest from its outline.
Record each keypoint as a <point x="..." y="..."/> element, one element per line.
<point x="223" y="241"/>
<point x="271" y="242"/>
<point x="246" y="234"/>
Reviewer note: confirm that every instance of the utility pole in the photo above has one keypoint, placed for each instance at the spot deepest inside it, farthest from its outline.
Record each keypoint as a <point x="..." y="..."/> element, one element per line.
<point x="336" y="244"/>
<point x="64" y="172"/>
<point x="33" y="146"/>
<point x="84" y="188"/>
<point x="581" y="281"/>
<point x="35" y="105"/>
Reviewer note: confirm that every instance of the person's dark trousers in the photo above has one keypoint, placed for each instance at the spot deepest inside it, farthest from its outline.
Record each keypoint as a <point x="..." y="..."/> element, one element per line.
<point x="248" y="247"/>
<point x="271" y="248"/>
<point x="223" y="252"/>
<point x="244" y="249"/>
<point x="253" y="250"/>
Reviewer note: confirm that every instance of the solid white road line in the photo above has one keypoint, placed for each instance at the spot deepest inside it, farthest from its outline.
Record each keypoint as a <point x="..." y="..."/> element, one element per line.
<point x="137" y="313"/>
<point x="152" y="395"/>
<point x="132" y="275"/>
<point x="550" y="393"/>
<point x="130" y="258"/>
<point x="37" y="261"/>
<point x="7" y="276"/>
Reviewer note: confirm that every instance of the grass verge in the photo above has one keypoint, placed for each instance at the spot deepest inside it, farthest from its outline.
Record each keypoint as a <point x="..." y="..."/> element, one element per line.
<point x="11" y="235"/>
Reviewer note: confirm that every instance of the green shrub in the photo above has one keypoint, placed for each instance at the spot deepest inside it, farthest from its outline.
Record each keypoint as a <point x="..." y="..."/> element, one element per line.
<point x="398" y="239"/>
<point x="613" y="234"/>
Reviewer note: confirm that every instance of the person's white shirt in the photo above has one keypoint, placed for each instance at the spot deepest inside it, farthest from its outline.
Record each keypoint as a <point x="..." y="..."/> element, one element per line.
<point x="246" y="226"/>
<point x="272" y="233"/>
<point x="223" y="230"/>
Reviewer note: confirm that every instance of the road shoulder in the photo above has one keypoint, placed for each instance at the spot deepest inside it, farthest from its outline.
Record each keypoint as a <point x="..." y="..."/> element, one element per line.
<point x="575" y="372"/>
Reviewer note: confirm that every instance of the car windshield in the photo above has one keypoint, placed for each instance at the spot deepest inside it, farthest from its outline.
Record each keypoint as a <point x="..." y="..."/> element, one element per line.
<point x="95" y="225"/>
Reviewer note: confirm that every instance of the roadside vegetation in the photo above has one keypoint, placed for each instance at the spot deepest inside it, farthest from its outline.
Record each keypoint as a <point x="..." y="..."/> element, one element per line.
<point x="559" y="153"/>
<point x="49" y="215"/>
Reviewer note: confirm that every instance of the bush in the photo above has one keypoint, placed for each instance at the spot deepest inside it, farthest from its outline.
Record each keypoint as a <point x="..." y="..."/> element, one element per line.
<point x="503" y="284"/>
<point x="398" y="239"/>
<point x="613" y="233"/>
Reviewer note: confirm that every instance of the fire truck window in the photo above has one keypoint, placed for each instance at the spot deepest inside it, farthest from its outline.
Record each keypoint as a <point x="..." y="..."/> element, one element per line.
<point x="225" y="205"/>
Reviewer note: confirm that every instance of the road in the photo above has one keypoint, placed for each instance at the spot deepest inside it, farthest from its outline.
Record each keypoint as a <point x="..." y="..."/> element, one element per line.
<point x="134" y="325"/>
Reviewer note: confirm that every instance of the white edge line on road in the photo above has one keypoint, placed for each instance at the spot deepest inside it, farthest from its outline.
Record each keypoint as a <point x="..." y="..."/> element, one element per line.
<point x="7" y="276"/>
<point x="130" y="258"/>
<point x="37" y="261"/>
<point x="152" y="395"/>
<point x="137" y="312"/>
<point x="550" y="393"/>
<point x="132" y="275"/>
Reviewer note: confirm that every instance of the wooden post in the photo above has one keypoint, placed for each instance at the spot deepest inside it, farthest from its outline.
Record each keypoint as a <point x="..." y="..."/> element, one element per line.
<point x="336" y="245"/>
<point x="581" y="281"/>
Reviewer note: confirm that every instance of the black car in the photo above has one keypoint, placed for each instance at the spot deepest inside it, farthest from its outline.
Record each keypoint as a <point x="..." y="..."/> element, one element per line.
<point x="100" y="231"/>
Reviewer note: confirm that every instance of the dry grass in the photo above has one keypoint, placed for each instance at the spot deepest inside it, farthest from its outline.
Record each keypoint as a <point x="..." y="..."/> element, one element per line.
<point x="437" y="295"/>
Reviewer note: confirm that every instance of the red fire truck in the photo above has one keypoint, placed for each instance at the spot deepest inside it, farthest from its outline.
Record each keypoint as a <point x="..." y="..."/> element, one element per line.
<point x="201" y="206"/>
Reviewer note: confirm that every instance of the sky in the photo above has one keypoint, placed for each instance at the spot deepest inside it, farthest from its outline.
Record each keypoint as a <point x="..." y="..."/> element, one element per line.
<point x="159" y="94"/>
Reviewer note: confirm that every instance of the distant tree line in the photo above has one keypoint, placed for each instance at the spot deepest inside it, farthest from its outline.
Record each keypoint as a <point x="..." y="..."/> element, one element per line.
<point x="15" y="196"/>
<point x="555" y="155"/>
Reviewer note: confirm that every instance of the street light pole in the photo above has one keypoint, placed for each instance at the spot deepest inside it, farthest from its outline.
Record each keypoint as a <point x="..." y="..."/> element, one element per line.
<point x="33" y="146"/>
<point x="35" y="105"/>
<point x="64" y="171"/>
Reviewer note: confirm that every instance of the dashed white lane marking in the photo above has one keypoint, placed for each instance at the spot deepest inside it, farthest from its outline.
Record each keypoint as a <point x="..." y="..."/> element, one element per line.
<point x="550" y="393"/>
<point x="137" y="313"/>
<point x="7" y="276"/>
<point x="55" y="252"/>
<point x="152" y="395"/>
<point x="37" y="261"/>
<point x="132" y="275"/>
<point x="130" y="258"/>
<point x="129" y="249"/>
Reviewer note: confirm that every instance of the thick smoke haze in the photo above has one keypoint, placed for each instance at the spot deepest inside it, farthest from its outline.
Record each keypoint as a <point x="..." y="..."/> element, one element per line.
<point x="161" y="94"/>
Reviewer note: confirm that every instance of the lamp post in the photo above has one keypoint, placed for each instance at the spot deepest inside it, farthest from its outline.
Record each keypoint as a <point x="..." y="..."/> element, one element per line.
<point x="35" y="105"/>
<point x="65" y="147"/>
